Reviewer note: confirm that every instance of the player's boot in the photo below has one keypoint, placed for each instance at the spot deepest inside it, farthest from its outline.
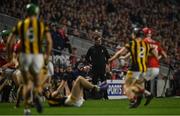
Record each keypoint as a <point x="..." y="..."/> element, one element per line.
<point x="148" y="99"/>
<point x="131" y="104"/>
<point x="38" y="104"/>
<point x="27" y="112"/>
<point x="136" y="103"/>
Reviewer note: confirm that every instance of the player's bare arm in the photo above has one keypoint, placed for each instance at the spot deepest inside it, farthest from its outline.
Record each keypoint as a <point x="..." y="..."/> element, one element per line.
<point x="11" y="40"/>
<point x="163" y="54"/>
<point x="118" y="53"/>
<point x="59" y="89"/>
<point x="125" y="57"/>
<point x="49" y="45"/>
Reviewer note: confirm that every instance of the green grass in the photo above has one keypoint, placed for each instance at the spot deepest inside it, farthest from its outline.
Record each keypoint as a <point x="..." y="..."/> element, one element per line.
<point x="159" y="106"/>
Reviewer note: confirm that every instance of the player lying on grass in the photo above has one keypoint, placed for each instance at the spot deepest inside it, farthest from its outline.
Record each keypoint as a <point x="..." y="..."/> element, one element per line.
<point x="75" y="98"/>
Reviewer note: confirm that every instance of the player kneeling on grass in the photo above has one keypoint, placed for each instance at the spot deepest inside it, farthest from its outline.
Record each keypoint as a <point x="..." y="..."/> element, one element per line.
<point x="135" y="88"/>
<point x="139" y="51"/>
<point x="135" y="91"/>
<point x="75" y="98"/>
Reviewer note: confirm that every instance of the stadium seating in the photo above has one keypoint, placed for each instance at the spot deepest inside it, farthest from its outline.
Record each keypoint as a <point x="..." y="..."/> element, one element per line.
<point x="112" y="18"/>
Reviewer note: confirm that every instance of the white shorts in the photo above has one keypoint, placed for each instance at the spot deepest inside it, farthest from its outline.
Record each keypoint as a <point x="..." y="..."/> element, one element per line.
<point x="152" y="73"/>
<point x="71" y="102"/>
<point x="135" y="75"/>
<point x="31" y="62"/>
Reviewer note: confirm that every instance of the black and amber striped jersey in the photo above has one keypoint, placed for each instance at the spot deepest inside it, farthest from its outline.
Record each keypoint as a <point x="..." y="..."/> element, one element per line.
<point x="58" y="101"/>
<point x="139" y="55"/>
<point x="31" y="32"/>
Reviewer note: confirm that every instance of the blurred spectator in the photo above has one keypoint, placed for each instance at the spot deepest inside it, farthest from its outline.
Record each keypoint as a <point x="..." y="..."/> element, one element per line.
<point x="64" y="38"/>
<point x="81" y="60"/>
<point x="56" y="77"/>
<point x="73" y="57"/>
<point x="177" y="80"/>
<point x="57" y="42"/>
<point x="82" y="70"/>
<point x="68" y="76"/>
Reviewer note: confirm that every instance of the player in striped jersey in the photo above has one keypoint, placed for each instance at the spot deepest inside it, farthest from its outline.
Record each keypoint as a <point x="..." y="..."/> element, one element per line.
<point x="31" y="32"/>
<point x="139" y="51"/>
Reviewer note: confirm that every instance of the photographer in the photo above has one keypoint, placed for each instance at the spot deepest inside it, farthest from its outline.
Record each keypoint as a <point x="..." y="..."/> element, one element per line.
<point x="176" y="77"/>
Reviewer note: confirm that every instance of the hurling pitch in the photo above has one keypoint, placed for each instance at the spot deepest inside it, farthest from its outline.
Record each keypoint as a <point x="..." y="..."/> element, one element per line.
<point x="158" y="106"/>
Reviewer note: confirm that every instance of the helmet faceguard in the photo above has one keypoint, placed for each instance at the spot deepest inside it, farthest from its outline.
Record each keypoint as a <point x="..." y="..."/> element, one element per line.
<point x="32" y="9"/>
<point x="137" y="32"/>
<point x="5" y="34"/>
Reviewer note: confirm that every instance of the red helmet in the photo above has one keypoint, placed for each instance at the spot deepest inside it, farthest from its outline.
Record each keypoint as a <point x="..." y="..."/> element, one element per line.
<point x="147" y="30"/>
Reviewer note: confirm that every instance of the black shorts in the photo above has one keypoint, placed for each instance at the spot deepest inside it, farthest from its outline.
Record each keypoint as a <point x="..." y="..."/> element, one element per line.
<point x="57" y="102"/>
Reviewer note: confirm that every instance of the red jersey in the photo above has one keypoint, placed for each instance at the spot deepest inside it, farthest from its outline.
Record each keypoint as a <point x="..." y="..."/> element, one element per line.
<point x="17" y="46"/>
<point x="152" y="60"/>
<point x="2" y="47"/>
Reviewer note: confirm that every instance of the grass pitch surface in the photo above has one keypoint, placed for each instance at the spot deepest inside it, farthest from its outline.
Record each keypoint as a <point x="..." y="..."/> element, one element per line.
<point x="158" y="106"/>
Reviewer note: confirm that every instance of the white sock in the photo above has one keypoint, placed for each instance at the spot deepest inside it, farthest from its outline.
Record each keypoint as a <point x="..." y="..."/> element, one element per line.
<point x="146" y="92"/>
<point x="27" y="110"/>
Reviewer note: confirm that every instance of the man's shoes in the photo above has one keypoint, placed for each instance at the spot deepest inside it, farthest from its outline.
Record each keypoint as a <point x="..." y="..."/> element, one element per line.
<point x="136" y="103"/>
<point x="38" y="104"/>
<point x="103" y="86"/>
<point x="148" y="99"/>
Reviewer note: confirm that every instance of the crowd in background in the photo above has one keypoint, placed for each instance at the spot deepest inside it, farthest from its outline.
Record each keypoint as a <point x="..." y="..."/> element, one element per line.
<point x="113" y="19"/>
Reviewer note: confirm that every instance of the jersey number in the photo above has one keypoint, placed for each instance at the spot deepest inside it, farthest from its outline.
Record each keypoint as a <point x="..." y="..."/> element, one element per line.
<point x="30" y="34"/>
<point x="141" y="53"/>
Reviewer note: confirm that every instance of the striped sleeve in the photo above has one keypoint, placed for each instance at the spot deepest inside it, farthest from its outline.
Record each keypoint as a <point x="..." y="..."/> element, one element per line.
<point x="15" y="30"/>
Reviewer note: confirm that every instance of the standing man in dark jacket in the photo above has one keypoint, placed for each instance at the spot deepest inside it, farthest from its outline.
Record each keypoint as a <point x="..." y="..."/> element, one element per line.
<point x="97" y="55"/>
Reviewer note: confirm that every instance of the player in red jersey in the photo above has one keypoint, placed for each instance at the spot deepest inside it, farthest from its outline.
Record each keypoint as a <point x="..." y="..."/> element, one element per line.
<point x="153" y="62"/>
<point x="3" y="55"/>
<point x="4" y="36"/>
